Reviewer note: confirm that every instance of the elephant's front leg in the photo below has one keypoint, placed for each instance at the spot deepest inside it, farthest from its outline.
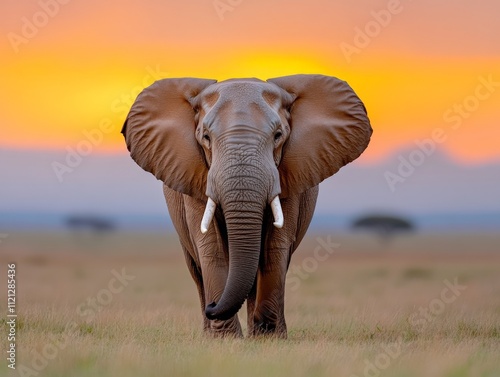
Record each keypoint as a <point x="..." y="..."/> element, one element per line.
<point x="214" y="264"/>
<point x="267" y="306"/>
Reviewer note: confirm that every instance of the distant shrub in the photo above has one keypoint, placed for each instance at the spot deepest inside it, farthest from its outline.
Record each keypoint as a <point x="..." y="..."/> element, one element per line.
<point x="385" y="226"/>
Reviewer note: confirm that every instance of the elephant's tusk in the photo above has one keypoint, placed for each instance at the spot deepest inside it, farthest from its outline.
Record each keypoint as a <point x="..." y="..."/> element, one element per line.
<point x="277" y="212"/>
<point x="208" y="215"/>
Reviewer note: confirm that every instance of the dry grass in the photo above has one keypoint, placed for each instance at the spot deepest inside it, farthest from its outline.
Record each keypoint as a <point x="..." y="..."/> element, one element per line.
<point x="344" y="316"/>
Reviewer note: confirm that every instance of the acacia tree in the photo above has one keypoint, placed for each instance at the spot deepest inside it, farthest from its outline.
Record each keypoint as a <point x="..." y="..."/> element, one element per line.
<point x="385" y="226"/>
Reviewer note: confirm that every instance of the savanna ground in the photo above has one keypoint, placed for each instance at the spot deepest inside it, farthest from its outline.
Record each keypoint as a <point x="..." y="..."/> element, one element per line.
<point x="369" y="309"/>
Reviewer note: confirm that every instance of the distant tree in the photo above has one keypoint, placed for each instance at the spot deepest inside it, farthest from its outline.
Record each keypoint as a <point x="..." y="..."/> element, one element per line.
<point x="89" y="223"/>
<point x="385" y="226"/>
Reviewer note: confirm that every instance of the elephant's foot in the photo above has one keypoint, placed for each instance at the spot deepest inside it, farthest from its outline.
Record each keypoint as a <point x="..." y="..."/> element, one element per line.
<point x="223" y="329"/>
<point x="267" y="328"/>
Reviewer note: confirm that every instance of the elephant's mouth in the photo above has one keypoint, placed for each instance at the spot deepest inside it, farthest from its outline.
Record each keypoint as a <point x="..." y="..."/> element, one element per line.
<point x="209" y="213"/>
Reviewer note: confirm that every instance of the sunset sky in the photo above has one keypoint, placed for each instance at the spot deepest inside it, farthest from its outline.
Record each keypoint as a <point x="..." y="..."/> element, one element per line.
<point x="86" y="61"/>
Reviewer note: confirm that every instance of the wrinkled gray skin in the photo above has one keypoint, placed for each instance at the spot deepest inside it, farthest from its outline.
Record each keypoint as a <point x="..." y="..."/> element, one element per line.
<point x="251" y="141"/>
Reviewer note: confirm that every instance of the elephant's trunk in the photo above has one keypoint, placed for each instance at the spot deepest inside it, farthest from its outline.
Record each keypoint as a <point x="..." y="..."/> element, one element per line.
<point x="243" y="213"/>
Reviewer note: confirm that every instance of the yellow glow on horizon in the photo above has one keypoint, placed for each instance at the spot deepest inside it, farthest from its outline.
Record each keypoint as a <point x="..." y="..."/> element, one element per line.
<point x="51" y="98"/>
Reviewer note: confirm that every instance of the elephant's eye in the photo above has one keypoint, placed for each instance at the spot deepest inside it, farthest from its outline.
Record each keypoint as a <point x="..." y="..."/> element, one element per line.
<point x="206" y="138"/>
<point x="277" y="136"/>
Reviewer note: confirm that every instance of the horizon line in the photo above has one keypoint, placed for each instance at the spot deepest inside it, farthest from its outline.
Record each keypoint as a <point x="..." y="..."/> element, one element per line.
<point x="389" y="156"/>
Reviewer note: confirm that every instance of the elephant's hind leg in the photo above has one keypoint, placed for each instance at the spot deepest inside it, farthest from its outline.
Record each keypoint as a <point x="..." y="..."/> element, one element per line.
<point x="195" y="272"/>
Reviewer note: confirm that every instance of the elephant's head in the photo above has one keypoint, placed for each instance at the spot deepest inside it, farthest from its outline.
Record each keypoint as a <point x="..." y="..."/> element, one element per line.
<point x="240" y="145"/>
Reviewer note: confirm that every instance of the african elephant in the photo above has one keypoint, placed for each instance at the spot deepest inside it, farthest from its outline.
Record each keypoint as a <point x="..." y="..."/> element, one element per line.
<point x="238" y="157"/>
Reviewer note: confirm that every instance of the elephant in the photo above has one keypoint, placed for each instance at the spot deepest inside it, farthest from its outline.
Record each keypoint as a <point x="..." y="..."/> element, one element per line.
<point x="241" y="161"/>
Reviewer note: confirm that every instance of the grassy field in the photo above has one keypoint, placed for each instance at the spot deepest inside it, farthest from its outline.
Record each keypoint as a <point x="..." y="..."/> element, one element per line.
<point x="368" y="309"/>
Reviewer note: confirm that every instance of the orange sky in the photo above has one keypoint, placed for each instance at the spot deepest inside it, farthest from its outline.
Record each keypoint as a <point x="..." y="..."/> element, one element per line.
<point x="87" y="60"/>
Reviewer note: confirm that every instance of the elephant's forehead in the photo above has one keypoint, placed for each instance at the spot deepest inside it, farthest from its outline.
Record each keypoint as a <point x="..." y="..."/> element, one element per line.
<point x="242" y="92"/>
<point x="250" y="102"/>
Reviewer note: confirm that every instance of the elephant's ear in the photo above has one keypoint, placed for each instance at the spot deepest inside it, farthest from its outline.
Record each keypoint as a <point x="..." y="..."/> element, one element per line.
<point x="329" y="128"/>
<point x="160" y="134"/>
